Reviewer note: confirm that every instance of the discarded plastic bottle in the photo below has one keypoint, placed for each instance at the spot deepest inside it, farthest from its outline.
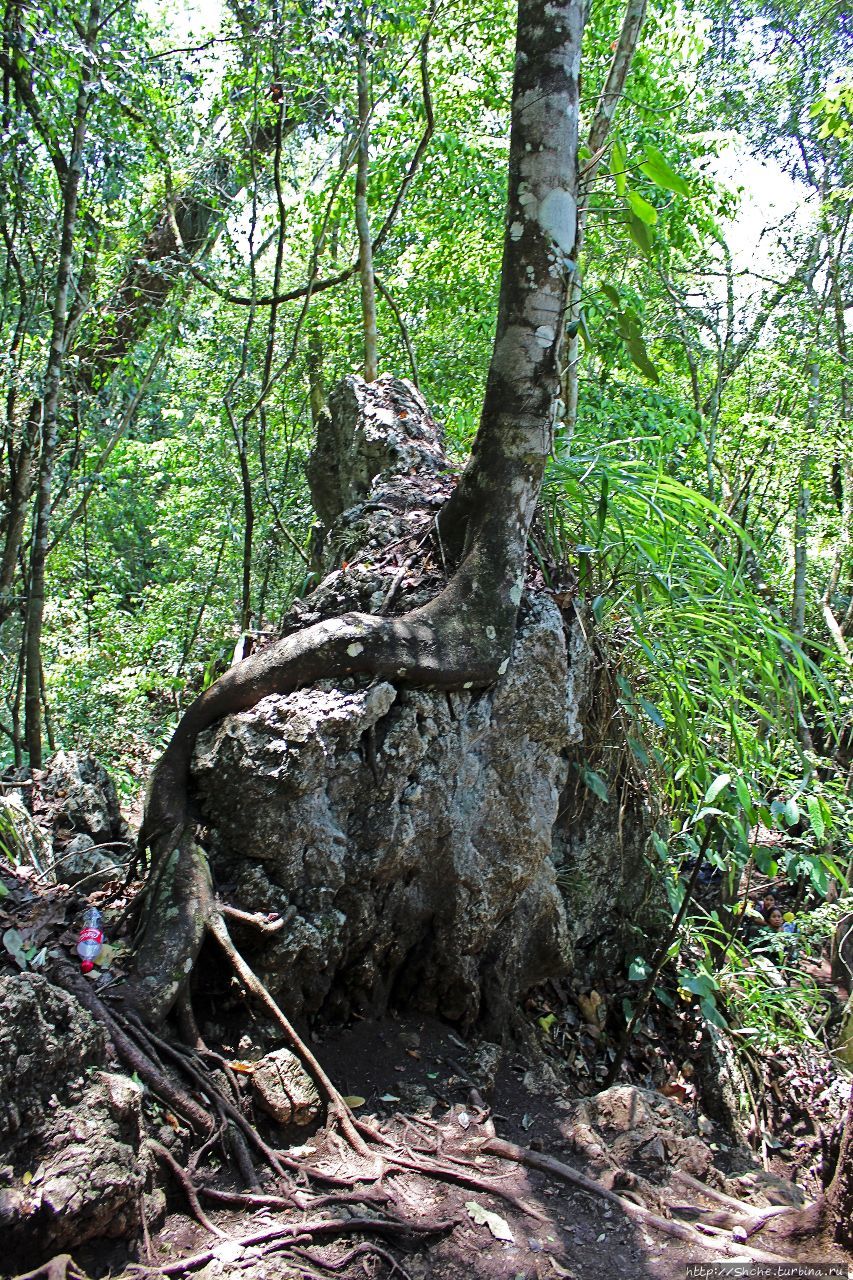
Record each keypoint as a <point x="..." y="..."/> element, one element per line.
<point x="91" y="939"/>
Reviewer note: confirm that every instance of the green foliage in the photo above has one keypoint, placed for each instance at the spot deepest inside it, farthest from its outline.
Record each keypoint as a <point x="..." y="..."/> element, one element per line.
<point x="672" y="509"/>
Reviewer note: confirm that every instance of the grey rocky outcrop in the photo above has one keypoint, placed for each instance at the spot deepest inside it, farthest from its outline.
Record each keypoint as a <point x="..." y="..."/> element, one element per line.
<point x="411" y="839"/>
<point x="65" y="820"/>
<point x="69" y="1128"/>
<point x="83" y="792"/>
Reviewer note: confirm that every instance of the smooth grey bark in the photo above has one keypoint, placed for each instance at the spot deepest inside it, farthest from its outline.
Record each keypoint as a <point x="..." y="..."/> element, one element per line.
<point x="462" y="637"/>
<point x="608" y="101"/>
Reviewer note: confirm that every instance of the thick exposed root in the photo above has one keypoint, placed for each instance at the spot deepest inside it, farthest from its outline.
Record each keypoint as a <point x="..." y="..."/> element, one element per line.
<point x="176" y="911"/>
<point x="440" y="645"/>
<point x="700" y="1236"/>
<point x="302" y="1233"/>
<point x="62" y="1267"/>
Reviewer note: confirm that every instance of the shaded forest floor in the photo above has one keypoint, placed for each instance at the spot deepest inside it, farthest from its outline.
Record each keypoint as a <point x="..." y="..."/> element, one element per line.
<point x="416" y="1079"/>
<point x="507" y="1163"/>
<point x="430" y="1092"/>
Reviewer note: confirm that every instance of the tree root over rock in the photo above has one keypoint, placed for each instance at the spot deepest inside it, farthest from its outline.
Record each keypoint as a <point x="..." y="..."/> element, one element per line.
<point x="301" y="1233"/>
<point x="701" y="1235"/>
<point x="62" y="1267"/>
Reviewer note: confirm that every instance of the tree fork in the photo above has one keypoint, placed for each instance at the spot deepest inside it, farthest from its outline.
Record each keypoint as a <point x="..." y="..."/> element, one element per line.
<point x="461" y="638"/>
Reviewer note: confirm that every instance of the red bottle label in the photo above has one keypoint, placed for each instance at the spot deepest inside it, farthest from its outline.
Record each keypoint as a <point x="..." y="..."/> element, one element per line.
<point x="91" y="935"/>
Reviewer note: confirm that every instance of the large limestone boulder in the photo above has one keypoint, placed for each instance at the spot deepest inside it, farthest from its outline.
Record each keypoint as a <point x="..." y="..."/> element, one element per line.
<point x="65" y="821"/>
<point x="410" y="838"/>
<point x="405" y="835"/>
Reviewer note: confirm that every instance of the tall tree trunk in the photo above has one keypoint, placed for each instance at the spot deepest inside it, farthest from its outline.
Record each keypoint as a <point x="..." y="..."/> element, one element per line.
<point x="362" y="221"/>
<point x="462" y="637"/>
<point x="180" y="235"/>
<point x="19" y="500"/>
<point x="52" y="389"/>
<point x="608" y="101"/>
<point x="843" y="479"/>
<point x="248" y="536"/>
<point x="801" y="522"/>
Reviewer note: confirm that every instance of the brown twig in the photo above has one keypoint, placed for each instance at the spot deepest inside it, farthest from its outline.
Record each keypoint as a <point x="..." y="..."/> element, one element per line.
<point x="340" y="1264"/>
<point x="257" y="919"/>
<point x="339" y="1113"/>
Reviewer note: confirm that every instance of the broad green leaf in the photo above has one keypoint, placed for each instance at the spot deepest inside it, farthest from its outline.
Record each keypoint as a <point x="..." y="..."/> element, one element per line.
<point x="764" y="860"/>
<point x="652" y="712"/>
<point x="661" y="846"/>
<point x="596" y="783"/>
<point x="745" y="799"/>
<point x="816" y="821"/>
<point x="14" y="944"/>
<point x="717" y="786"/>
<point x="612" y="294"/>
<point x="791" y="812"/>
<point x="638" y="750"/>
<point x="640" y="234"/>
<point x="618" y="164"/>
<point x="645" y="212"/>
<point x="712" y="1013"/>
<point x="627" y="691"/>
<point x="708" y="811"/>
<point x="658" y="171"/>
<point x="640" y="356"/>
<point x="701" y="984"/>
<point x="638" y="970"/>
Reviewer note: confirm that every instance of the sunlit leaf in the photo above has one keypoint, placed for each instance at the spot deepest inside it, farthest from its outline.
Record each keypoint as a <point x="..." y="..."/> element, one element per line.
<point x="618" y="165"/>
<point x="657" y="170"/>
<point x="498" y="1226"/>
<point x="640" y="234"/>
<point x="717" y="787"/>
<point x="646" y="212"/>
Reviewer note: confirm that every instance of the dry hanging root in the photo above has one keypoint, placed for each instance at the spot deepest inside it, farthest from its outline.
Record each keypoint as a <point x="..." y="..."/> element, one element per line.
<point x="339" y="1114"/>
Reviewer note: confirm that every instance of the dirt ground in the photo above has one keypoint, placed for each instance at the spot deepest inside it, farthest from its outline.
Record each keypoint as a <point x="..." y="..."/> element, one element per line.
<point x="413" y="1080"/>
